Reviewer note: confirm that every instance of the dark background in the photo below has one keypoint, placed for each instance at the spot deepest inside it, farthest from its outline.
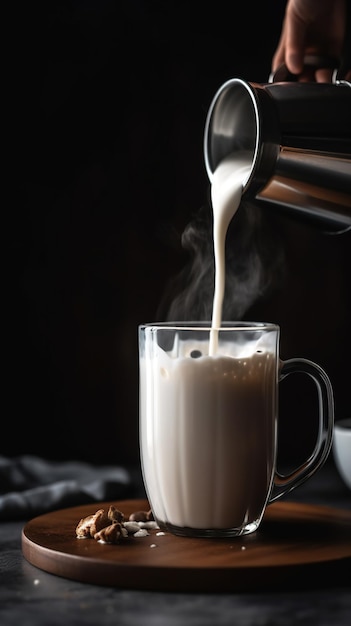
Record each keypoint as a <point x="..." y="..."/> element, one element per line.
<point x="107" y="106"/>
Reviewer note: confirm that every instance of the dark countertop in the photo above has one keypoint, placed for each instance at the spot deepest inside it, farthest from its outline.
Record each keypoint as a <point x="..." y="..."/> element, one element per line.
<point x="29" y="596"/>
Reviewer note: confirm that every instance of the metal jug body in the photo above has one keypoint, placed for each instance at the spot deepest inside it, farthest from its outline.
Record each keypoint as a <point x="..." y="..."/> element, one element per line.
<point x="296" y="140"/>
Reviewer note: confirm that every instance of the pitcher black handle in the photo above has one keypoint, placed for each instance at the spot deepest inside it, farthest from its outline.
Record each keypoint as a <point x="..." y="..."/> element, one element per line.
<point x="282" y="74"/>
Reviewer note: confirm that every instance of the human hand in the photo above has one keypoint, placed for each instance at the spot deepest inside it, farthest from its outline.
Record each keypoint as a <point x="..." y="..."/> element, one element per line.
<point x="311" y="27"/>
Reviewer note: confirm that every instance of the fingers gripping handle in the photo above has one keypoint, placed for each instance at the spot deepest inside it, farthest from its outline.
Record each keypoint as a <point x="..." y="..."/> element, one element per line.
<point x="283" y="484"/>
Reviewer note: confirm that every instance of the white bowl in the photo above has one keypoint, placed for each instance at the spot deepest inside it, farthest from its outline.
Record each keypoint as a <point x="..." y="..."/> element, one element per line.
<point x="342" y="449"/>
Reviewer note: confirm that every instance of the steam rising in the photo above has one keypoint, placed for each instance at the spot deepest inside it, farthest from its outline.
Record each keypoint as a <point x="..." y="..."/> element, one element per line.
<point x="254" y="267"/>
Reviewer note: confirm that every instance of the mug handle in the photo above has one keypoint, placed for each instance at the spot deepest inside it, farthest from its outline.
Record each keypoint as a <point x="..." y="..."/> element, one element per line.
<point x="283" y="484"/>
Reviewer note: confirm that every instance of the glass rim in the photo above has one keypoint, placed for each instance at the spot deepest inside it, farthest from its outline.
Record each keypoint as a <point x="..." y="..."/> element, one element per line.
<point x="207" y="326"/>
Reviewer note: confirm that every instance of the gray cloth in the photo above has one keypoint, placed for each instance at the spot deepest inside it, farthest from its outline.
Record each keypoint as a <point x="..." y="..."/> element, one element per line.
<point x="30" y="486"/>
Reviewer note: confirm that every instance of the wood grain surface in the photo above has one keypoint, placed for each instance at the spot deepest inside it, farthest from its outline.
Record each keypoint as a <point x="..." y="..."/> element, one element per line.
<point x="296" y="546"/>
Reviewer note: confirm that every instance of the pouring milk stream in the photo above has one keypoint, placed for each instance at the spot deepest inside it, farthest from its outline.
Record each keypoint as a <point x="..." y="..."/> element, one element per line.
<point x="226" y="192"/>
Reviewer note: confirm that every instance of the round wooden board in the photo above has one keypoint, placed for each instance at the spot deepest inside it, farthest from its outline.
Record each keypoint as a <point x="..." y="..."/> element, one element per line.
<point x="296" y="546"/>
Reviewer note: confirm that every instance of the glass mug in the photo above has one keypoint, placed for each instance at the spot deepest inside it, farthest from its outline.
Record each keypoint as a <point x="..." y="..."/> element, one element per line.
<point x="208" y="425"/>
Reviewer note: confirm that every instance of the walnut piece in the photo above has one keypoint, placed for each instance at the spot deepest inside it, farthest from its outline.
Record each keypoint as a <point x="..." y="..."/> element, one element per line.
<point x="89" y="526"/>
<point x="114" y="515"/>
<point x="83" y="526"/>
<point x="141" y="516"/>
<point x="111" y="534"/>
<point x="100" y="521"/>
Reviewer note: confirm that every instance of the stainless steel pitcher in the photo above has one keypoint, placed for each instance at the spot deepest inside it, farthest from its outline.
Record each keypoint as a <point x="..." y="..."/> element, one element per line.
<point x="296" y="139"/>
